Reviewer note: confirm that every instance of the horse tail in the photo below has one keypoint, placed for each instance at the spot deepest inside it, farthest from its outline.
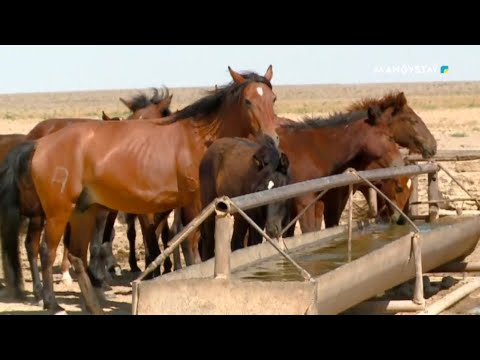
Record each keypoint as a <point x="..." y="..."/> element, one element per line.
<point x="15" y="169"/>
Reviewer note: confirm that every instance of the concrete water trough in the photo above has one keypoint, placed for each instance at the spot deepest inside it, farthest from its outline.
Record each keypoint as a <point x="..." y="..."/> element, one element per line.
<point x="194" y="290"/>
<point x="217" y="286"/>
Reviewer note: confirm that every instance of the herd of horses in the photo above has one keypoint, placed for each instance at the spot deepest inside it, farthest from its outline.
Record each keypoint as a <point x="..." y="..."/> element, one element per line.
<point x="70" y="177"/>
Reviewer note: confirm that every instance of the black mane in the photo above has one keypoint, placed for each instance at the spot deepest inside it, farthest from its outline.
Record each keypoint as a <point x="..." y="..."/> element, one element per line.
<point x="142" y="100"/>
<point x="215" y="98"/>
<point x="334" y="120"/>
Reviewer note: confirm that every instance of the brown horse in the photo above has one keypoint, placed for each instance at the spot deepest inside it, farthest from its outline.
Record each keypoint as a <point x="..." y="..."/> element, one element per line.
<point x="141" y="107"/>
<point x="234" y="167"/>
<point x="321" y="147"/>
<point x="35" y="227"/>
<point x="408" y="130"/>
<point x="82" y="170"/>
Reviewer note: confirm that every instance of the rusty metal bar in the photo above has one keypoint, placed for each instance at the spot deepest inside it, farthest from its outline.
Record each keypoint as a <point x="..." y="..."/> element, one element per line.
<point x="442" y="201"/>
<point x="385" y="307"/>
<point x="179" y="238"/>
<point x="451" y="298"/>
<point x="304" y="210"/>
<point x="446" y="155"/>
<point x="306" y="275"/>
<point x="250" y="201"/>
<point x="460" y="185"/>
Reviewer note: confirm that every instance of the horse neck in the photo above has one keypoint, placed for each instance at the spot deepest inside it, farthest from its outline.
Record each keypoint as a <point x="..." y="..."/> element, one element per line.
<point x="227" y="121"/>
<point x="346" y="143"/>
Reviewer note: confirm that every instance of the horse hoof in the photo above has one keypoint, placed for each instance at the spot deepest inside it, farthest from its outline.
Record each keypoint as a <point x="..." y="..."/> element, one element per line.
<point x="67" y="279"/>
<point x="62" y="312"/>
<point x="39" y="303"/>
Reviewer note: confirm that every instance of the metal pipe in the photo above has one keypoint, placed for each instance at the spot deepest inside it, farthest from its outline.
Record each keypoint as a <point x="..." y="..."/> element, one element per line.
<point x="304" y="210"/>
<point x="306" y="275"/>
<point x="179" y="238"/>
<point x="386" y="306"/>
<point x="442" y="201"/>
<point x="414" y="197"/>
<point x="447" y="155"/>
<point x="460" y="185"/>
<point x="350" y="219"/>
<point x="452" y="298"/>
<point x="246" y="202"/>
<point x="460" y="267"/>
<point x="223" y="241"/>
<point x="433" y="194"/>
<point x="372" y="202"/>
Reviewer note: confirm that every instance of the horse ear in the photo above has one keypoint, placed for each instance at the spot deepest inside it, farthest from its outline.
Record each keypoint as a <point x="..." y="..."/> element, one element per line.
<point x="127" y="103"/>
<point x="239" y="79"/>
<point x="284" y="164"/>
<point x="373" y="115"/>
<point x="269" y="73"/>
<point x="166" y="102"/>
<point x="400" y="101"/>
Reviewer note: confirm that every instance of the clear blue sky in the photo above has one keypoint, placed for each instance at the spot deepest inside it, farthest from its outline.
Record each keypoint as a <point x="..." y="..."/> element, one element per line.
<point x="69" y="68"/>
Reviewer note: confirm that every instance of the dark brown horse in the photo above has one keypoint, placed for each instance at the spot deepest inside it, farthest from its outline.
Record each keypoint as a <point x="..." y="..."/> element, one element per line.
<point x="408" y="130"/>
<point x="234" y="167"/>
<point x="141" y="167"/>
<point x="321" y="147"/>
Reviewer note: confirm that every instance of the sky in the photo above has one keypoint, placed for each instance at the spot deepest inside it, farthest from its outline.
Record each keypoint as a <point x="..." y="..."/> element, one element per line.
<point x="82" y="67"/>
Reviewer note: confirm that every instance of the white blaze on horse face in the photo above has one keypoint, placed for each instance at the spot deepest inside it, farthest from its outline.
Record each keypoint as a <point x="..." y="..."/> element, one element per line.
<point x="270" y="184"/>
<point x="409" y="183"/>
<point x="260" y="91"/>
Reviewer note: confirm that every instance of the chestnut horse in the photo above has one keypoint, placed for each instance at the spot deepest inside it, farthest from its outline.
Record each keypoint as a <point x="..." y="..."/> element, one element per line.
<point x="408" y="130"/>
<point x="84" y="169"/>
<point x="233" y="167"/>
<point x="158" y="104"/>
<point x="321" y="147"/>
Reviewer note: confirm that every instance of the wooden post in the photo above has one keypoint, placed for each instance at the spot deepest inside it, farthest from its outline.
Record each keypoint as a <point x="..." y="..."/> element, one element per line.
<point x="418" y="296"/>
<point x="433" y="194"/>
<point x="223" y="240"/>
<point x="413" y="211"/>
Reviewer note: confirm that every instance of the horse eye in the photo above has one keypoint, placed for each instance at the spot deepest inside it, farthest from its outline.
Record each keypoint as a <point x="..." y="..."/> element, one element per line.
<point x="248" y="102"/>
<point x="399" y="189"/>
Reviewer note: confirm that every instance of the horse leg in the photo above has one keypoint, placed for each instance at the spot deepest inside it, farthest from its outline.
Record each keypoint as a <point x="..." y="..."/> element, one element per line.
<point x="259" y="216"/>
<point x="240" y="227"/>
<point x="163" y="232"/>
<point x="65" y="267"/>
<point x="108" y="236"/>
<point x="87" y="229"/>
<point x="188" y="214"/>
<point x="334" y="202"/>
<point x="308" y="221"/>
<point x="174" y="230"/>
<point x="152" y="250"/>
<point x="131" y="235"/>
<point x="54" y="229"/>
<point x="32" y="244"/>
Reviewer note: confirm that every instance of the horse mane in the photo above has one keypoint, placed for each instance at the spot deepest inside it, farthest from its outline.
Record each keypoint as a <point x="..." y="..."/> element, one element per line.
<point x="231" y="92"/>
<point x="142" y="100"/>
<point x="391" y="99"/>
<point x="334" y="120"/>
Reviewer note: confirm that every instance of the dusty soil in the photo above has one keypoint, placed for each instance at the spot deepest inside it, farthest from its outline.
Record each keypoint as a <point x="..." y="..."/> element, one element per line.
<point x="452" y="113"/>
